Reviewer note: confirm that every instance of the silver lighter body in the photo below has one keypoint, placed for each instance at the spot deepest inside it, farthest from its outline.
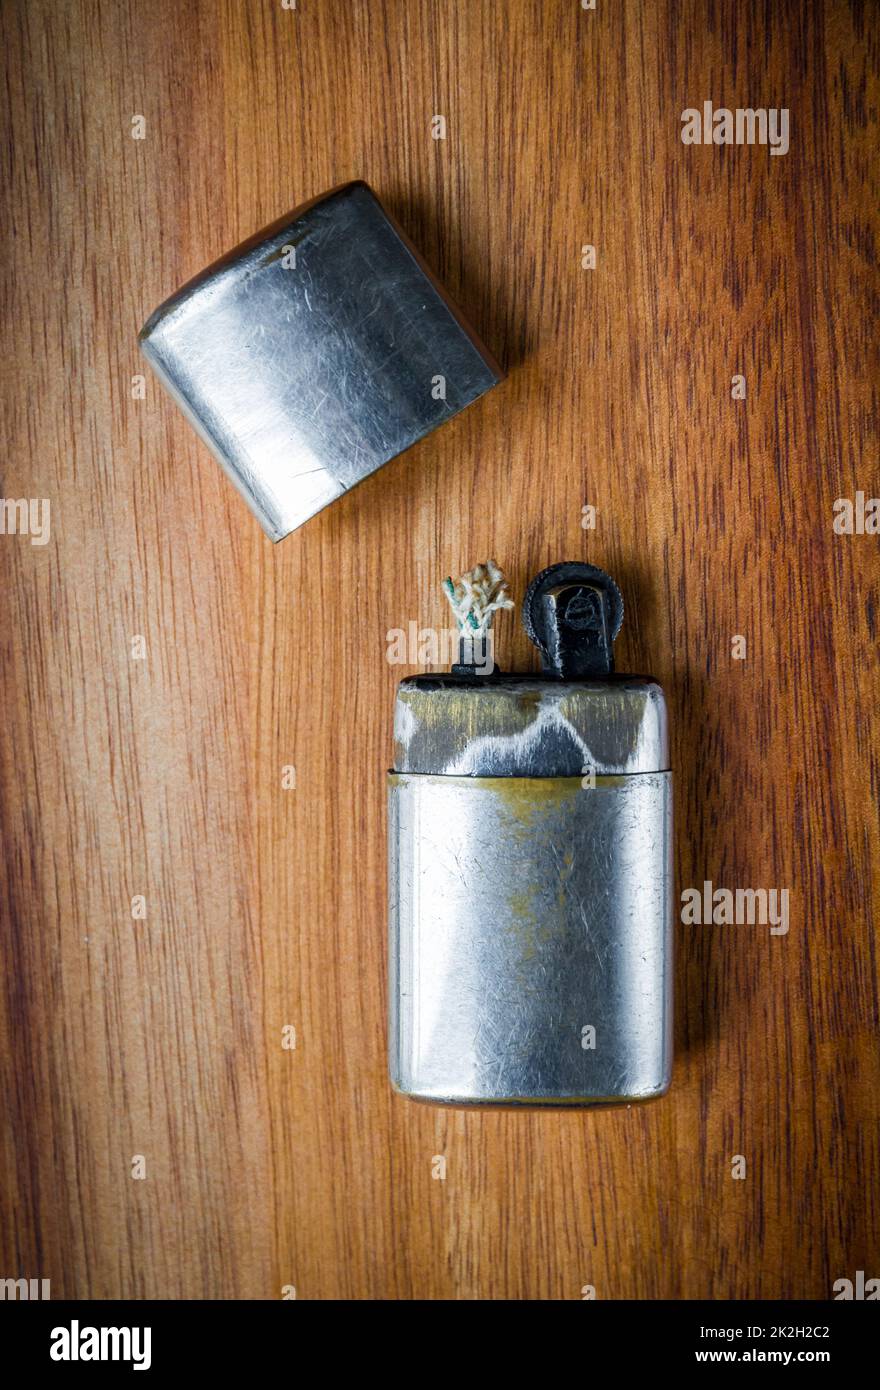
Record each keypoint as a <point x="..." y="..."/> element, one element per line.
<point x="530" y="846"/>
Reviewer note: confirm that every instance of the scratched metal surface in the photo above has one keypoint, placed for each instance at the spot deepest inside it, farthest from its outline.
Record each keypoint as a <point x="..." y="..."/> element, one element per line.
<point x="306" y="372"/>
<point x="523" y="726"/>
<point x="523" y="910"/>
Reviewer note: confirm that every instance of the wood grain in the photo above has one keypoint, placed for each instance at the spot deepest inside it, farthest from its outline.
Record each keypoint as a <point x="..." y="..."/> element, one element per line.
<point x="162" y="1037"/>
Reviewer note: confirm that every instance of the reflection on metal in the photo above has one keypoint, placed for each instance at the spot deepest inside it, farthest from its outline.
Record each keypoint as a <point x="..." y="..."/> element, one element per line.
<point x="522" y="726"/>
<point x="523" y="911"/>
<point x="530" y="868"/>
<point x="314" y="353"/>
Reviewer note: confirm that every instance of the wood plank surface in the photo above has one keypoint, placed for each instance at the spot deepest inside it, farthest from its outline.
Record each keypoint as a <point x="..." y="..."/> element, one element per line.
<point x="161" y="776"/>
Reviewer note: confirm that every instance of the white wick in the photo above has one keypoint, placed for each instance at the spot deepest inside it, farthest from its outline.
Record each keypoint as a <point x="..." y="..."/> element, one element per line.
<point x="477" y="597"/>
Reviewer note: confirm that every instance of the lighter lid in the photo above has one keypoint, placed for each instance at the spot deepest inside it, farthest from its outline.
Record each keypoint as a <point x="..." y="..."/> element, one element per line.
<point x="314" y="353"/>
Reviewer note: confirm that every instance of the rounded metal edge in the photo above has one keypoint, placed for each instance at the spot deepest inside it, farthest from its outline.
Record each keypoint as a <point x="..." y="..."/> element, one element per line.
<point x="566" y="1103"/>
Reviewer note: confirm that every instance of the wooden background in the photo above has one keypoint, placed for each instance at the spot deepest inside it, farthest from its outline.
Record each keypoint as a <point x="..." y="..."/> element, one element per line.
<point x="268" y="1167"/>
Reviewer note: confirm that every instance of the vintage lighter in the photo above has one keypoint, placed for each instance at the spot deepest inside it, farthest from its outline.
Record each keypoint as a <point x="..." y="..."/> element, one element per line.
<point x="530" y="824"/>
